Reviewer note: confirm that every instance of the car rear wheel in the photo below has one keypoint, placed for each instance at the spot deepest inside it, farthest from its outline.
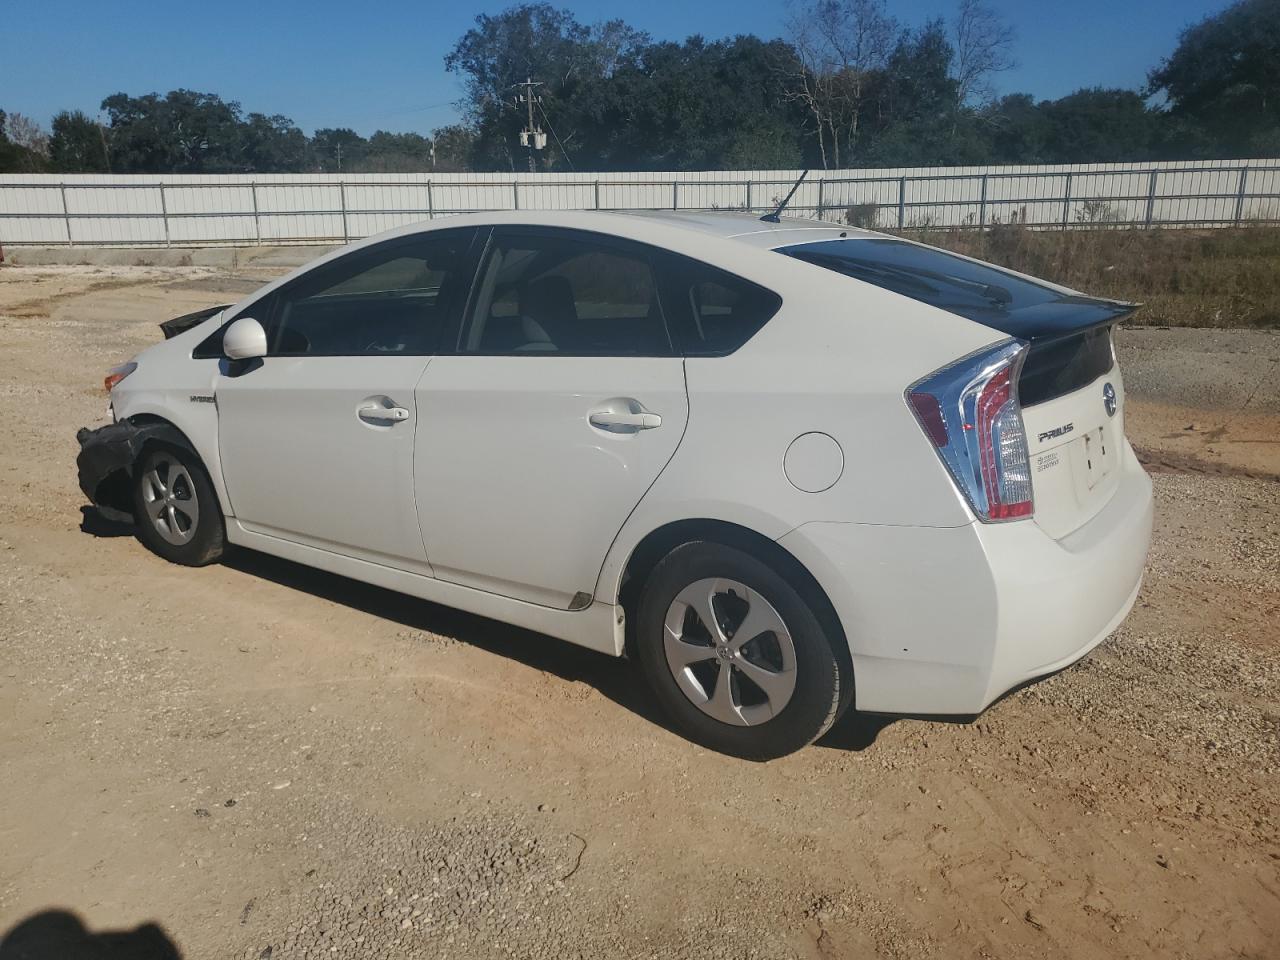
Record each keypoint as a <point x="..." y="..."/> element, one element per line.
<point x="735" y="655"/>
<point x="176" y="508"/>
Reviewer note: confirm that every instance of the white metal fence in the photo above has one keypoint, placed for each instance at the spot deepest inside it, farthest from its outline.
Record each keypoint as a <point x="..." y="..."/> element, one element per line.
<point x="146" y="210"/>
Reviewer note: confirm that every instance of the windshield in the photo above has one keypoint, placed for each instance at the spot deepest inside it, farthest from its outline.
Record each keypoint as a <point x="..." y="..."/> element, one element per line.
<point x="940" y="279"/>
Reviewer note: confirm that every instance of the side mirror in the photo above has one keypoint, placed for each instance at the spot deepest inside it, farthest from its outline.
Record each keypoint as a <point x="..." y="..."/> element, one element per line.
<point x="244" y="340"/>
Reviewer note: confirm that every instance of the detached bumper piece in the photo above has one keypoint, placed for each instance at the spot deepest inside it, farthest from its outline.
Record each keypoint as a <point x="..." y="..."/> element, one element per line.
<point x="106" y="459"/>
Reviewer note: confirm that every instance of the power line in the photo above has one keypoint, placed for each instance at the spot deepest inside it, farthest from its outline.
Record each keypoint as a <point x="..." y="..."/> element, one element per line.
<point x="543" y="110"/>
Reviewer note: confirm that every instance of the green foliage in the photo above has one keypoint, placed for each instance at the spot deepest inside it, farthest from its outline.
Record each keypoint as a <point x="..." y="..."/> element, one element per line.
<point x="1099" y="126"/>
<point x="78" y="145"/>
<point x="1223" y="78"/>
<point x="851" y="87"/>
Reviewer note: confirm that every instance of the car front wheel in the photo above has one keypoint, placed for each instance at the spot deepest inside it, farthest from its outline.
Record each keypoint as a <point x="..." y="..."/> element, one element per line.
<point x="735" y="655"/>
<point x="176" y="508"/>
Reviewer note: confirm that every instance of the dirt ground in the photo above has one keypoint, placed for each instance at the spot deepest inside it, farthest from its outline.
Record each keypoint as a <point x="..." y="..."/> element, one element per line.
<point x="258" y="760"/>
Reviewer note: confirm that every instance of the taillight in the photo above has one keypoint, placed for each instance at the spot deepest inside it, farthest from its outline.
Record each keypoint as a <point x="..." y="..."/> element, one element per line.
<point x="970" y="412"/>
<point x="116" y="374"/>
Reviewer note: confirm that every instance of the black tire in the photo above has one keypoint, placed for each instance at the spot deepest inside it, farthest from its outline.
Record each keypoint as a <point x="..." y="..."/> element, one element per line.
<point x="823" y="684"/>
<point x="196" y="543"/>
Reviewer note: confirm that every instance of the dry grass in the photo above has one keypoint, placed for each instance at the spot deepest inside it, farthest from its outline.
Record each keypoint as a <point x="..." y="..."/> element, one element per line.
<point x="1185" y="278"/>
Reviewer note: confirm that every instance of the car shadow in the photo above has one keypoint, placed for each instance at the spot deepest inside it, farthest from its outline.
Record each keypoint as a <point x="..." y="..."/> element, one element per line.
<point x="96" y="525"/>
<point x="61" y="935"/>
<point x="615" y="678"/>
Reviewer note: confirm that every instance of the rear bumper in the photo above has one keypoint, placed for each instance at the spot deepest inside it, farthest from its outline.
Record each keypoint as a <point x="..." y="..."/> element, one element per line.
<point x="943" y="621"/>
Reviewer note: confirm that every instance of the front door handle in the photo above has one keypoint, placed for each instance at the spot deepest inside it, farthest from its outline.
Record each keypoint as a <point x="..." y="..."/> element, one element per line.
<point x="624" y="422"/>
<point x="377" y="413"/>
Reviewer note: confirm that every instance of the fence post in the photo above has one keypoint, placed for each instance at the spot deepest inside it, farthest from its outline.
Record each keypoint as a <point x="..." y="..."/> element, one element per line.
<point x="257" y="223"/>
<point x="597" y="194"/>
<point x="675" y="194"/>
<point x="982" y="205"/>
<point x="1066" y="203"/>
<point x="1151" y="197"/>
<point x="431" y="203"/>
<point x="1244" y="179"/>
<point x="749" y="209"/>
<point x="342" y="195"/>
<point x="164" y="215"/>
<point x="902" y="202"/>
<point x="66" y="213"/>
<point x="515" y="194"/>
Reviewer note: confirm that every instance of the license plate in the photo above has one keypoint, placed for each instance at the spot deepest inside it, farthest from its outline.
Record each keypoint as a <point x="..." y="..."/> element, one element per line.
<point x="1097" y="456"/>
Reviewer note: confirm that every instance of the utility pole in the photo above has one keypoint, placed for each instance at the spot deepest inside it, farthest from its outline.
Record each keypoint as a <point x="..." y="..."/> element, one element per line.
<point x="531" y="136"/>
<point x="337" y="147"/>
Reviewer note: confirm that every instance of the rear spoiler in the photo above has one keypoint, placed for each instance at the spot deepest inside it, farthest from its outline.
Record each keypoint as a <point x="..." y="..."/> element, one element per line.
<point x="185" y="322"/>
<point x="1064" y="317"/>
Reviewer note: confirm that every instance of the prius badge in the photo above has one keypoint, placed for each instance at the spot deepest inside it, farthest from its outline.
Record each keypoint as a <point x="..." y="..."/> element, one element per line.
<point x="1109" y="399"/>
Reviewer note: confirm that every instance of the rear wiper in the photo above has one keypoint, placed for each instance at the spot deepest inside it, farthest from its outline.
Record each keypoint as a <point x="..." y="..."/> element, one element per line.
<point x="859" y="269"/>
<point x="996" y="294"/>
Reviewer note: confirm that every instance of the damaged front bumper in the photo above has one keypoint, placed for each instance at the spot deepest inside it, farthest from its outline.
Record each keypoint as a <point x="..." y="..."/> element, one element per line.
<point x="107" y="458"/>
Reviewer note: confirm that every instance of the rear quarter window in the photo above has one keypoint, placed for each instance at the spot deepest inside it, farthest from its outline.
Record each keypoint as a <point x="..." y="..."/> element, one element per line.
<point x="714" y="312"/>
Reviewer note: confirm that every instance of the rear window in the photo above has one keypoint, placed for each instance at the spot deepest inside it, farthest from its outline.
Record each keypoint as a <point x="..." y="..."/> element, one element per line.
<point x="940" y="279"/>
<point x="1070" y="334"/>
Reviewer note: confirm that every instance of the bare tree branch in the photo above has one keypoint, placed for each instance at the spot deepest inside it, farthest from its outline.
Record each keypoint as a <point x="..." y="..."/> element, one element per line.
<point x="983" y="44"/>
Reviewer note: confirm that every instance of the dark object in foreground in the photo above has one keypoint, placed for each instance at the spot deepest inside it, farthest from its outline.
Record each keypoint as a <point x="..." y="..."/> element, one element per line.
<point x="106" y="459"/>
<point x="60" y="935"/>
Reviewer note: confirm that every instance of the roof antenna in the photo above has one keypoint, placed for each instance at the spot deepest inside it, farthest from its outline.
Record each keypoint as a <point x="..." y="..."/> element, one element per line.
<point x="773" y="217"/>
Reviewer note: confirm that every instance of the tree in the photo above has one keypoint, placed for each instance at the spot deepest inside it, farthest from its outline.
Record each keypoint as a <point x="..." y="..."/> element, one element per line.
<point x="1017" y="129"/>
<point x="839" y="45"/>
<point x="78" y="144"/>
<point x="23" y="147"/>
<point x="451" y="147"/>
<point x="983" y="47"/>
<point x="181" y="132"/>
<point x="1225" y="75"/>
<point x="24" y="132"/>
<point x="536" y="41"/>
<point x="1099" y="126"/>
<point x="333" y="151"/>
<point x="692" y="105"/>
<point x="270" y="145"/>
<point x="398" y="153"/>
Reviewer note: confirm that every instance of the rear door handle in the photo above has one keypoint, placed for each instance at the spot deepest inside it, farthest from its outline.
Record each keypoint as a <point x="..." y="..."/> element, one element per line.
<point x="625" y="422"/>
<point x="376" y="413"/>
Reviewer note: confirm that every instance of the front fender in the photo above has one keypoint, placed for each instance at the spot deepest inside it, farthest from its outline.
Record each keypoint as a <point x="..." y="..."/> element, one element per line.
<point x="107" y="458"/>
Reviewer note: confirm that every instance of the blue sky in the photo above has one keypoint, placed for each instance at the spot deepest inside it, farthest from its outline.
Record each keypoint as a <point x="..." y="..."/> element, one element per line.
<point x="379" y="64"/>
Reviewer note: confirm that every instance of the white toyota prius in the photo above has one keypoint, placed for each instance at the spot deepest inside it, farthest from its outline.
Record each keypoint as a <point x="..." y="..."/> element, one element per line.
<point x="789" y="467"/>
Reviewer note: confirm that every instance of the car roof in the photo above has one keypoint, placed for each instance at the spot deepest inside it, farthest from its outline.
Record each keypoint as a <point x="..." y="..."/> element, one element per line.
<point x="749" y="228"/>
<point x="732" y="226"/>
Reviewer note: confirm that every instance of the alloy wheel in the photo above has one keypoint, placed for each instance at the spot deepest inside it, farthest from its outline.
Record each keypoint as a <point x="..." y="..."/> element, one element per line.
<point x="730" y="652"/>
<point x="170" y="500"/>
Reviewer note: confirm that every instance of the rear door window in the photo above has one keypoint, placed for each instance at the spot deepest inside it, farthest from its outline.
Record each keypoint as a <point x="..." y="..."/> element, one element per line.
<point x="565" y="294"/>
